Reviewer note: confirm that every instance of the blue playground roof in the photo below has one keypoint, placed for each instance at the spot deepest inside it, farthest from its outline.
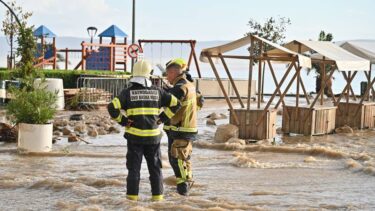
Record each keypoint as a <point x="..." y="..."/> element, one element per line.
<point x="43" y="31"/>
<point x="113" y="31"/>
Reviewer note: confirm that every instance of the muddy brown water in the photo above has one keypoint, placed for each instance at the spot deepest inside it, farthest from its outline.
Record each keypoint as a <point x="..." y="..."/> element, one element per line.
<point x="335" y="172"/>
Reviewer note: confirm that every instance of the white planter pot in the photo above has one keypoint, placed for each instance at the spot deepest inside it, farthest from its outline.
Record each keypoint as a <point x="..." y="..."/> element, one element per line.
<point x="35" y="138"/>
<point x="54" y="85"/>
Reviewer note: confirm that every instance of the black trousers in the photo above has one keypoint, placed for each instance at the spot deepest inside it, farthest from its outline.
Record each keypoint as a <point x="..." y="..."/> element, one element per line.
<point x="133" y="164"/>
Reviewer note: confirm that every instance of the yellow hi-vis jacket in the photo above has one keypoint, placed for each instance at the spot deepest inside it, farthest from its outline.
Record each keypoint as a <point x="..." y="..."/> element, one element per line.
<point x="184" y="123"/>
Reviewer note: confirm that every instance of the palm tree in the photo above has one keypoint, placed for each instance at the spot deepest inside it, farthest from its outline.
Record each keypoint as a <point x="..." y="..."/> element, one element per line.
<point x="317" y="68"/>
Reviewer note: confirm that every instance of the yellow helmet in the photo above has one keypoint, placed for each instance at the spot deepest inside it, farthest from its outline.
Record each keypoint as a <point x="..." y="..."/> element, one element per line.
<point x="142" y="68"/>
<point x="178" y="61"/>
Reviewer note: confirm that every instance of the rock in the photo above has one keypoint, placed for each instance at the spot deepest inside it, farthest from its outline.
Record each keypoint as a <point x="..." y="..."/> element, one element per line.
<point x="102" y="131"/>
<point x="92" y="133"/>
<point x="81" y="128"/>
<point x="236" y="141"/>
<point x="223" y="116"/>
<point x="225" y="132"/>
<point x="77" y="117"/>
<point x="66" y="131"/>
<point x="214" y="116"/>
<point x="58" y="133"/>
<point x="344" y="129"/>
<point x="92" y="126"/>
<point x="113" y="130"/>
<point x="61" y="123"/>
<point x="73" y="138"/>
<point x="210" y="122"/>
<point x="72" y="124"/>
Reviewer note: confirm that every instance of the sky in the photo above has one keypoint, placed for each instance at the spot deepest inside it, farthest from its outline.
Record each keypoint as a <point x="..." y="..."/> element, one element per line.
<point x="204" y="20"/>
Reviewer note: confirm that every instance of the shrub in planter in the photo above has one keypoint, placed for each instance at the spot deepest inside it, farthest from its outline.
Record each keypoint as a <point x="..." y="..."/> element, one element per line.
<point x="33" y="111"/>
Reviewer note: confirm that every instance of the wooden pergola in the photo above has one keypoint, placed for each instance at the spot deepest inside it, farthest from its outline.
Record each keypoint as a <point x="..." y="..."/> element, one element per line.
<point x="364" y="110"/>
<point x="257" y="123"/>
<point x="319" y="119"/>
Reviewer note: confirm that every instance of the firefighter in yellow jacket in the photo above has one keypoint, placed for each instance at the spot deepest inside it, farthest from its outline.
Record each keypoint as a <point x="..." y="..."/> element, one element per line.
<point x="142" y="103"/>
<point x="182" y="128"/>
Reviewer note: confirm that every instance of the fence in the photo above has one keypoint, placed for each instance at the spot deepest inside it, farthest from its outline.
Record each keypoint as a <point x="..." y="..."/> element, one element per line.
<point x="101" y="90"/>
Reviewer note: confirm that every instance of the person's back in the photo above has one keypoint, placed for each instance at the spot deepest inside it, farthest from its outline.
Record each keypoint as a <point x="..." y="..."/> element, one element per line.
<point x="142" y="103"/>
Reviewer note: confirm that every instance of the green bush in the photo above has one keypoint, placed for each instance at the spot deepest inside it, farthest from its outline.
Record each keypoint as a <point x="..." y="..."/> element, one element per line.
<point x="69" y="76"/>
<point x="32" y="107"/>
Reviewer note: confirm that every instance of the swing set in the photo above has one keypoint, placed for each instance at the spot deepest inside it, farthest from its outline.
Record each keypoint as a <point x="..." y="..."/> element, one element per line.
<point x="192" y="55"/>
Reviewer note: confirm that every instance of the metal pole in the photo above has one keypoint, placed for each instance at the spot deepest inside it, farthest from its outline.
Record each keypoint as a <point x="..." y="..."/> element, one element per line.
<point x="133" y="32"/>
<point x="11" y="43"/>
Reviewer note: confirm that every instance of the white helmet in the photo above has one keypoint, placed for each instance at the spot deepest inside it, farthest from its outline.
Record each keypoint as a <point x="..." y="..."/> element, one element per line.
<point x="142" y="68"/>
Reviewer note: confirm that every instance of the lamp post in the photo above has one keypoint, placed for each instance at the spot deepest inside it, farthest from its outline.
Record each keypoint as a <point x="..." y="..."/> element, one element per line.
<point x="92" y="32"/>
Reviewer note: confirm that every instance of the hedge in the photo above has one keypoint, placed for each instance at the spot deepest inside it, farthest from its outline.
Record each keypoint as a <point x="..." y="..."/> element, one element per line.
<point x="69" y="76"/>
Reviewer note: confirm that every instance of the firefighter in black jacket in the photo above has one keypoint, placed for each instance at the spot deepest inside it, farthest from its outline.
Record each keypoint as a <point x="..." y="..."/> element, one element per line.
<point x="182" y="128"/>
<point x="142" y="103"/>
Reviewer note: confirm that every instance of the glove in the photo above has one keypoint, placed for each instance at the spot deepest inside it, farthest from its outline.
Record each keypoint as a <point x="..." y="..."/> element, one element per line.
<point x="200" y="100"/>
<point x="159" y="122"/>
<point x="126" y="122"/>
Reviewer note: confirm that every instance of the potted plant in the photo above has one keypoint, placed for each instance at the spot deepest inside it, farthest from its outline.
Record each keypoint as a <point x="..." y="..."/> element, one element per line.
<point x="31" y="107"/>
<point x="32" y="111"/>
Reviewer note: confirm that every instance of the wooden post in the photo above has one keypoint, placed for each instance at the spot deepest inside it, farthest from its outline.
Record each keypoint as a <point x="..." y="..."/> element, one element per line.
<point x="319" y="94"/>
<point x="368" y="82"/>
<point x="322" y="82"/>
<point x="305" y="93"/>
<point x="195" y="59"/>
<point x="111" y="56"/>
<point x="350" y="87"/>
<point x="288" y="87"/>
<point x="347" y="98"/>
<point x="223" y="89"/>
<point x="260" y="74"/>
<point x="274" y="77"/>
<point x="251" y="64"/>
<point x="231" y="80"/>
<point x="66" y="58"/>
<point x="83" y="56"/>
<point x="42" y="46"/>
<point x="367" y="91"/>
<point x="54" y="53"/>
<point x="346" y="87"/>
<point x="275" y="92"/>
<point x="191" y="54"/>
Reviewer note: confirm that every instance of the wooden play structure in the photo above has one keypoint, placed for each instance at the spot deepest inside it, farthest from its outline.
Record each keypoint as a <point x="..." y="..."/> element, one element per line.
<point x="359" y="114"/>
<point x="256" y="122"/>
<point x="46" y="52"/>
<point x="312" y="119"/>
<point x="191" y="43"/>
<point x="112" y="56"/>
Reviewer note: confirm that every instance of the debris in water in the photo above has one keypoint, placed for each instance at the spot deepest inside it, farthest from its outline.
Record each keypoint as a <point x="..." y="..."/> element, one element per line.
<point x="344" y="129"/>
<point x="210" y="122"/>
<point x="8" y="133"/>
<point x="309" y="159"/>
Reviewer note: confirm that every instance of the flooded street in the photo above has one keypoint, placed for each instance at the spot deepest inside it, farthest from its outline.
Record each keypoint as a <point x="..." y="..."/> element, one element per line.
<point x="335" y="172"/>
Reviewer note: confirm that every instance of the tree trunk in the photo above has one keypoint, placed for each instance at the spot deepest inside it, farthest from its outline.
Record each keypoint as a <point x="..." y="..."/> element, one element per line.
<point x="327" y="90"/>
